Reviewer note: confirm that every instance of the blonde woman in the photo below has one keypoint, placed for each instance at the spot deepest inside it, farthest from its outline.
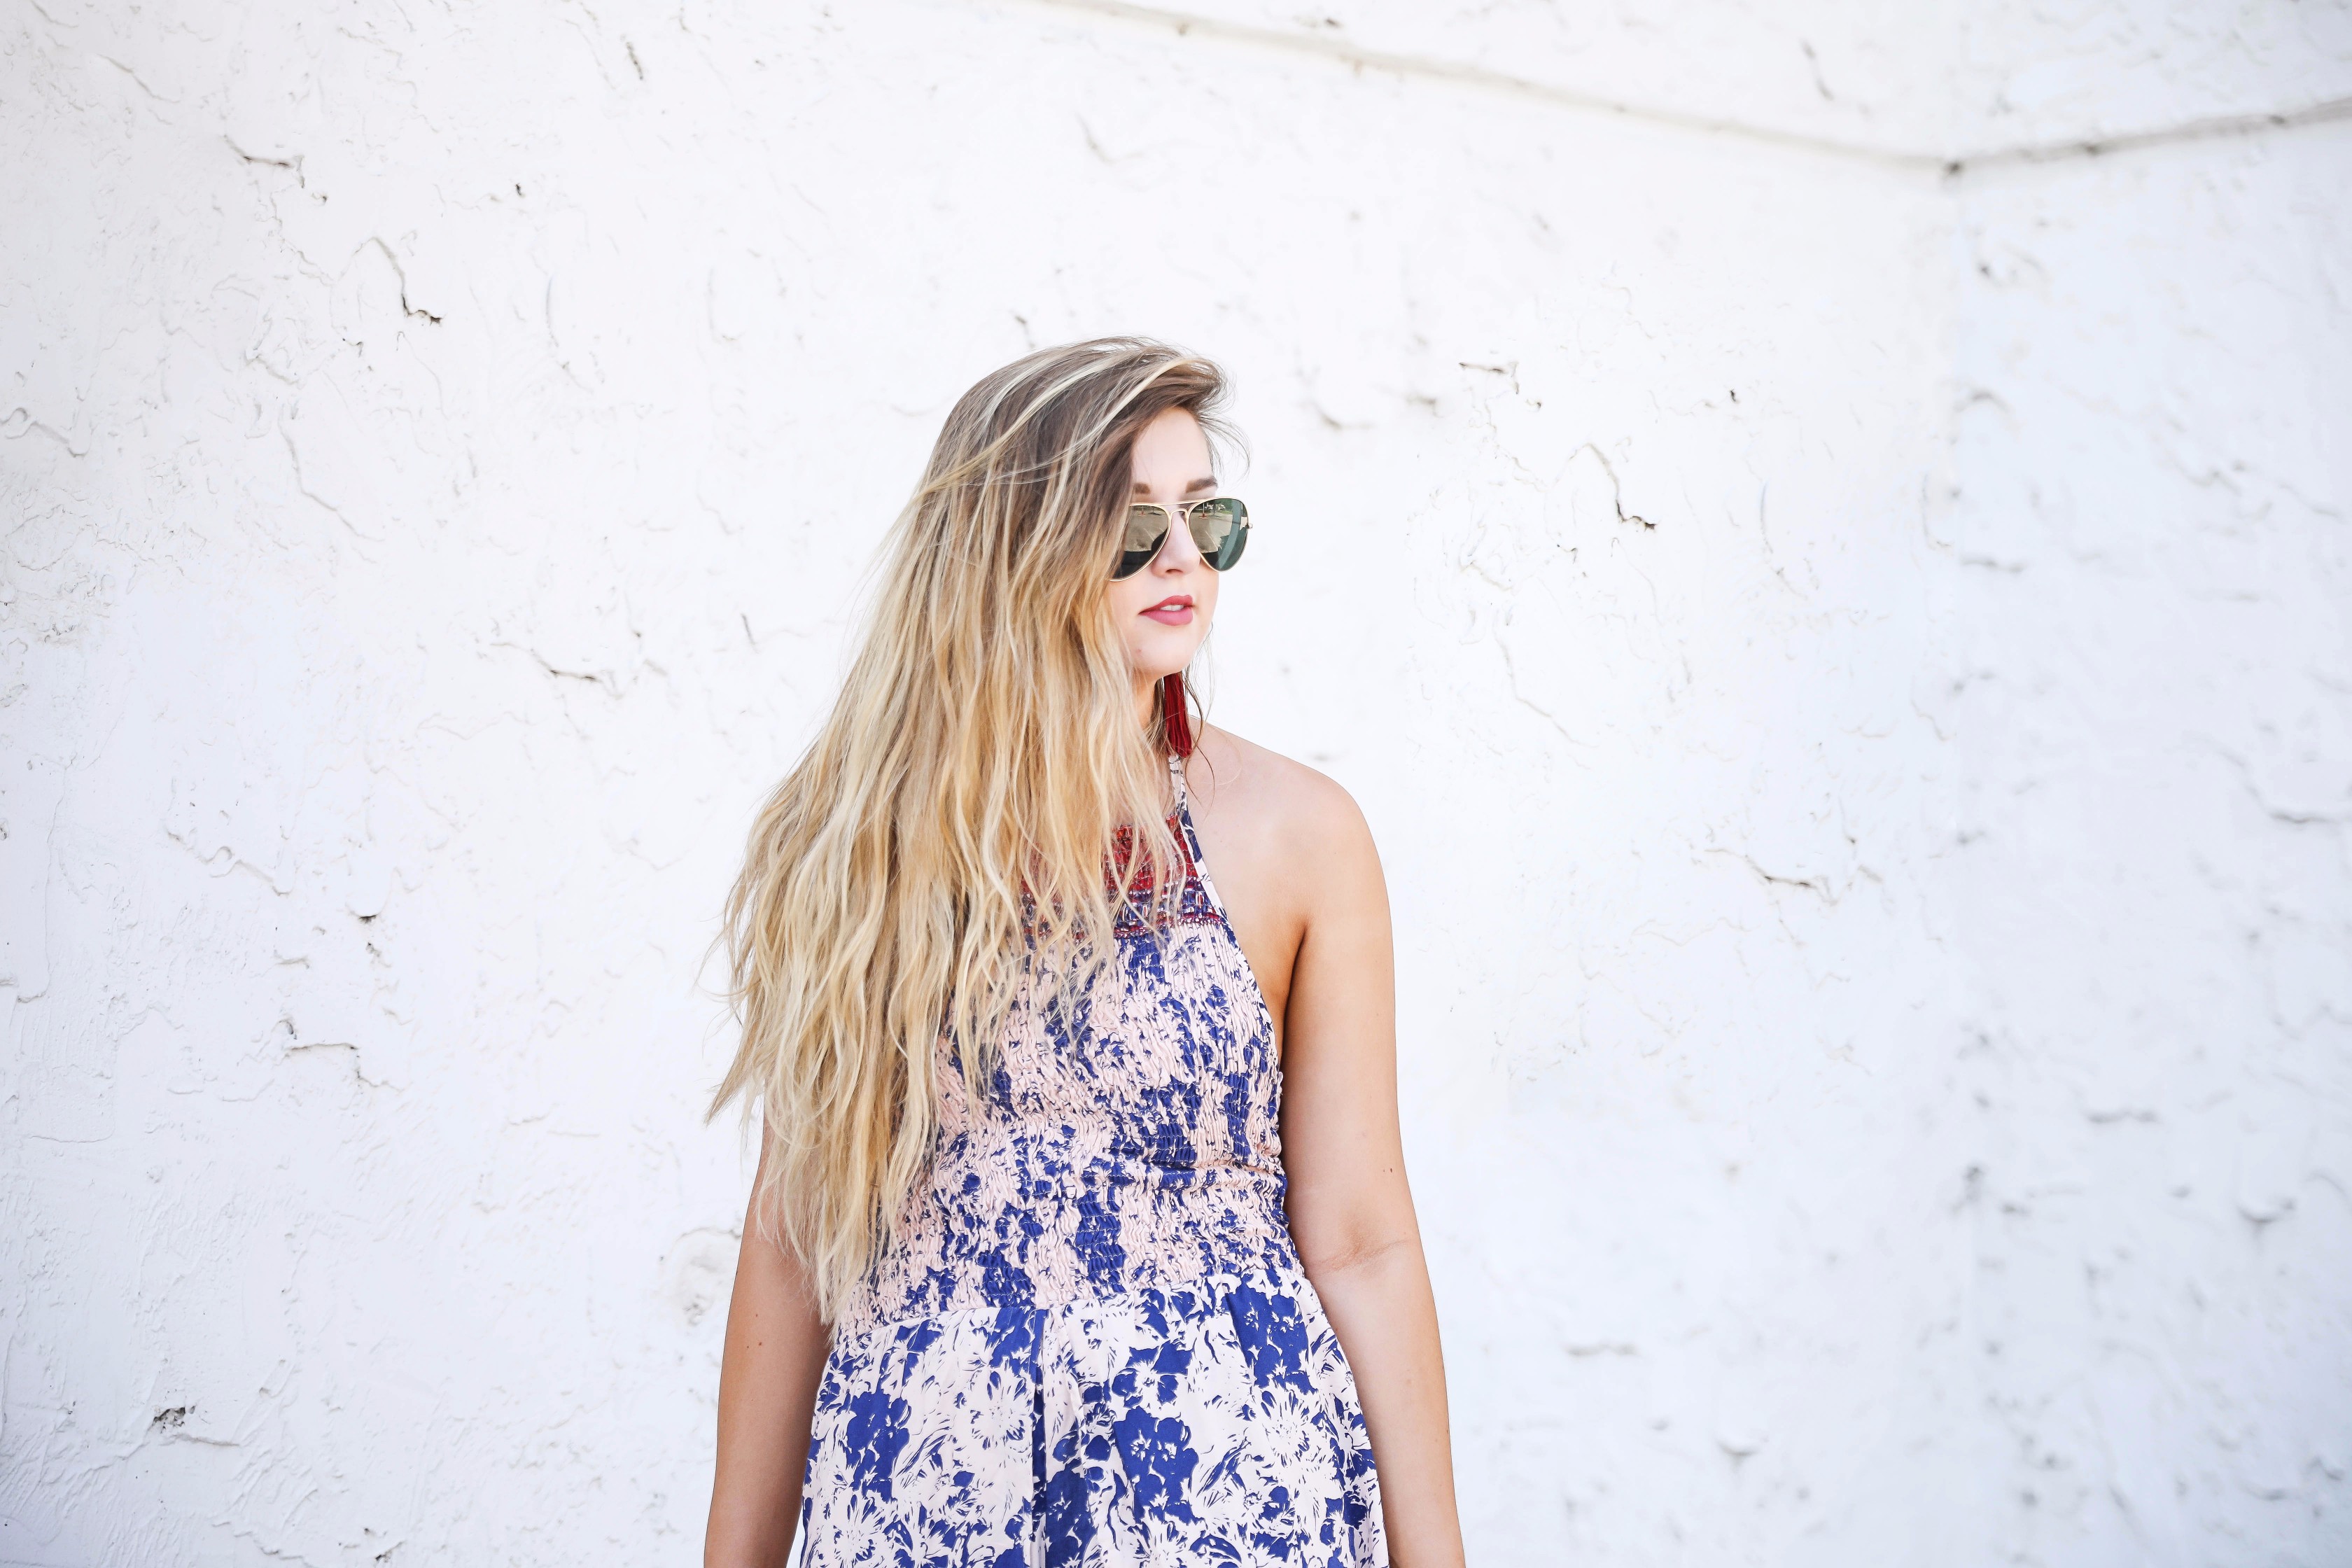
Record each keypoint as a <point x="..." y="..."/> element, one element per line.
<point x="1081" y="1233"/>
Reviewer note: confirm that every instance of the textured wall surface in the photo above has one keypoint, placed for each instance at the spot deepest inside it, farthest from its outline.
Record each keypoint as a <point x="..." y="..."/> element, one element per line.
<point x="1848" y="659"/>
<point x="2153" y="528"/>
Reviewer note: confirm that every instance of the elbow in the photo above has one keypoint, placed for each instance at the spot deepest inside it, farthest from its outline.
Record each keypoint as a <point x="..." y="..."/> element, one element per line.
<point x="1355" y="1255"/>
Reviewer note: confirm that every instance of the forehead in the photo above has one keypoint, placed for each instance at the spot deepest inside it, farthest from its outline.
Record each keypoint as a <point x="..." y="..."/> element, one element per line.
<point x="1172" y="448"/>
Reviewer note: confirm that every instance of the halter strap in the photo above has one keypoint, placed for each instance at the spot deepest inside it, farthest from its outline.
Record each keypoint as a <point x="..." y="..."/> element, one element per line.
<point x="1190" y="841"/>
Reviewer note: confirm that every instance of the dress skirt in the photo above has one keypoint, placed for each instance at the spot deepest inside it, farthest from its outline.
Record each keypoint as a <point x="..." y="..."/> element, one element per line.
<point x="1214" y="1423"/>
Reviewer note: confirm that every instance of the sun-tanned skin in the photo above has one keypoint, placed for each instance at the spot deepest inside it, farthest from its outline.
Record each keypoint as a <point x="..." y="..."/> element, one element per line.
<point x="767" y="1378"/>
<point x="1302" y="886"/>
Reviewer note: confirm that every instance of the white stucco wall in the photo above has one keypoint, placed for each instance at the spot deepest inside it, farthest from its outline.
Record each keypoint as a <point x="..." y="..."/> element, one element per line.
<point x="2153" y="532"/>
<point x="1847" y="661"/>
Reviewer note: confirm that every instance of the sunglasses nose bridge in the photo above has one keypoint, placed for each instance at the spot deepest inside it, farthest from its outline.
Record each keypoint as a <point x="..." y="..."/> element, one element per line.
<point x="1180" y="525"/>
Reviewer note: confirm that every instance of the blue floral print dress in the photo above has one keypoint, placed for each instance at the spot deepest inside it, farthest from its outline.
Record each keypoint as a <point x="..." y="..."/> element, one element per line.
<point x="1092" y="1345"/>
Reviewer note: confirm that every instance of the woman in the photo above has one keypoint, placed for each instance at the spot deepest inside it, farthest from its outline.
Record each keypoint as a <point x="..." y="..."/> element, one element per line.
<point x="1080" y="1195"/>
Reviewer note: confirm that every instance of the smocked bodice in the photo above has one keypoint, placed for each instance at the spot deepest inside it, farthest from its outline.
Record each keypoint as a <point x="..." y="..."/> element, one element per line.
<point x="1127" y="1139"/>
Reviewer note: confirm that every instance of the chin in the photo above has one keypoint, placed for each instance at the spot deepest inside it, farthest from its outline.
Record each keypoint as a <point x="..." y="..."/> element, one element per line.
<point x="1157" y="660"/>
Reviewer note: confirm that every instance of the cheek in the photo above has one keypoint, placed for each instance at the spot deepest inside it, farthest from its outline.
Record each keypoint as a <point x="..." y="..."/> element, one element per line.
<point x="1128" y="598"/>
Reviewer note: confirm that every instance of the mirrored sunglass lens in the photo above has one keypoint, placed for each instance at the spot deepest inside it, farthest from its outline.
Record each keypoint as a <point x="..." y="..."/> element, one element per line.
<point x="1146" y="527"/>
<point x="1216" y="525"/>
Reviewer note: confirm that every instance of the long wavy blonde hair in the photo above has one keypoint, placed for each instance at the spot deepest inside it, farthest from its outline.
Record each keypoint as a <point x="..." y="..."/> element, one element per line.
<point x="947" y="828"/>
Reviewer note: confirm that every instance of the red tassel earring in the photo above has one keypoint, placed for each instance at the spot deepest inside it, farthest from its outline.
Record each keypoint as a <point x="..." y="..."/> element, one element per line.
<point x="1175" y="719"/>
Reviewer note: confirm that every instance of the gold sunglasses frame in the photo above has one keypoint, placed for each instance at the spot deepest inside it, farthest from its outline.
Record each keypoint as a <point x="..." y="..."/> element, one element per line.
<point x="1181" y="513"/>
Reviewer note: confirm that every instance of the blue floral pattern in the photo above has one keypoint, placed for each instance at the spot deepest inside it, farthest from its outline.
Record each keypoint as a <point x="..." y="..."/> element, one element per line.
<point x="1091" y="1344"/>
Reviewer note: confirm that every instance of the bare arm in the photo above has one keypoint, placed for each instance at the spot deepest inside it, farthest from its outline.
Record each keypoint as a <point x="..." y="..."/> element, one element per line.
<point x="776" y="1346"/>
<point x="1351" y="1208"/>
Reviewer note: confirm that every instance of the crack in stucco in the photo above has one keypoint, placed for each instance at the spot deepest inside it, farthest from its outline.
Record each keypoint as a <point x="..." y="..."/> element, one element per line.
<point x="1703" y="1162"/>
<point x="1946" y="164"/>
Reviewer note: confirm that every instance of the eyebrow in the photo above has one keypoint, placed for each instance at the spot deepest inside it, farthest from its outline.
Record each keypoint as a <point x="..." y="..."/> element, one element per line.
<point x="1203" y="484"/>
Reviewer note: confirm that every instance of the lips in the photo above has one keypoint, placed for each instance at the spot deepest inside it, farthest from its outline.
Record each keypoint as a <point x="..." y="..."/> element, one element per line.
<point x="1175" y="610"/>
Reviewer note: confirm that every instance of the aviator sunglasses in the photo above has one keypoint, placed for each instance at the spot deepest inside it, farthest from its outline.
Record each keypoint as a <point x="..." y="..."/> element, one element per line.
<point x="1220" y="528"/>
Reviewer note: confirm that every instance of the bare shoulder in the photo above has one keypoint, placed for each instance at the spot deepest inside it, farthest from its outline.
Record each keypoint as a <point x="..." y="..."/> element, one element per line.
<point x="1295" y="864"/>
<point x="1285" y="806"/>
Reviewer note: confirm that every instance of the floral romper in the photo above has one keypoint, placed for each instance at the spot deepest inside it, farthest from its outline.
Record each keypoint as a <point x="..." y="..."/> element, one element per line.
<point x="1093" y="1345"/>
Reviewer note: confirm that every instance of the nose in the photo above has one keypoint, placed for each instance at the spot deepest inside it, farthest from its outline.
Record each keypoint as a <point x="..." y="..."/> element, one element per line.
<point x="1177" y="551"/>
